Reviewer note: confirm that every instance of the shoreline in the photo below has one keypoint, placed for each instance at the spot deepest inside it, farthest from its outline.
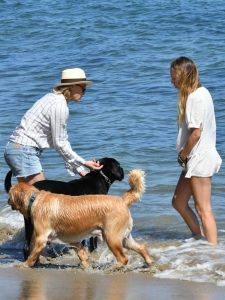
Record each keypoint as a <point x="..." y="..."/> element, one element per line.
<point x="44" y="283"/>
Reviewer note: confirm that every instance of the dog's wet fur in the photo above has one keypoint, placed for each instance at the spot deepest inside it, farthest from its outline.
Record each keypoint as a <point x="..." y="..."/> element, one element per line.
<point x="73" y="218"/>
<point x="95" y="182"/>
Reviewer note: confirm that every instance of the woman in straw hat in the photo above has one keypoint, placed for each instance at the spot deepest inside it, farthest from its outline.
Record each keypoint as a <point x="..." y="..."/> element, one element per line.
<point x="196" y="146"/>
<point x="44" y="125"/>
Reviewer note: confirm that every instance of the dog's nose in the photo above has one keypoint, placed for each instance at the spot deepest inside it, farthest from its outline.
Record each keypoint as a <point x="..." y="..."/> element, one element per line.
<point x="9" y="201"/>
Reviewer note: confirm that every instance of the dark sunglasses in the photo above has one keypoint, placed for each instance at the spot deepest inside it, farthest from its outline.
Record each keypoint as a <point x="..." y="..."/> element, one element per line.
<point x="82" y="87"/>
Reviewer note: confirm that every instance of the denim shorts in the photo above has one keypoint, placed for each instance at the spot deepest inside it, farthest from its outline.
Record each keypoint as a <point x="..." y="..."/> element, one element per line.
<point x="23" y="160"/>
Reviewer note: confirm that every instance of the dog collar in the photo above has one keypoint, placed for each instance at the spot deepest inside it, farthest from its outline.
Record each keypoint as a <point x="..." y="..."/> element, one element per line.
<point x="106" y="178"/>
<point x="32" y="198"/>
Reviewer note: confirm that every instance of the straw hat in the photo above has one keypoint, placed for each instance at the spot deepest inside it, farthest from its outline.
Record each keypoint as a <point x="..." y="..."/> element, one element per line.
<point x="73" y="76"/>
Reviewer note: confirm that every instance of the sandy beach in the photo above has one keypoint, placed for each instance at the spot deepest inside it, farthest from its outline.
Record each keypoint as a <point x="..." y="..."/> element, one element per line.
<point x="43" y="284"/>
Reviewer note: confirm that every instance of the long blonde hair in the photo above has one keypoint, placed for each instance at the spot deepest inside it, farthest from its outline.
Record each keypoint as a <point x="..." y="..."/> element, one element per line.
<point x="187" y="79"/>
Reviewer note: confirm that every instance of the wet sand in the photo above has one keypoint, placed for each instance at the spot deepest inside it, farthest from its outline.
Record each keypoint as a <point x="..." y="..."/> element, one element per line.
<point x="46" y="284"/>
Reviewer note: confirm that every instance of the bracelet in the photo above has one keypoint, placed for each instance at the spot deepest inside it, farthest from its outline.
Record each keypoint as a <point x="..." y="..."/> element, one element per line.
<point x="182" y="162"/>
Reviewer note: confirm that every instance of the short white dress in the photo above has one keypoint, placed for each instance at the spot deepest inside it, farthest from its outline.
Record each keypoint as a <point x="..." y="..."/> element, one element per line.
<point x="204" y="160"/>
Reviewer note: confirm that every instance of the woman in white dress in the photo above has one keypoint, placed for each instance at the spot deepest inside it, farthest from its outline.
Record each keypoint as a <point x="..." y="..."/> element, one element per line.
<point x="196" y="147"/>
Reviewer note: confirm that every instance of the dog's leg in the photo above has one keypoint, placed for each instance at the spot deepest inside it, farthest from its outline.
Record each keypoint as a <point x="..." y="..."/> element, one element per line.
<point x="93" y="243"/>
<point x="82" y="254"/>
<point x="115" y="245"/>
<point x="28" y="227"/>
<point x="130" y="243"/>
<point x="39" y="244"/>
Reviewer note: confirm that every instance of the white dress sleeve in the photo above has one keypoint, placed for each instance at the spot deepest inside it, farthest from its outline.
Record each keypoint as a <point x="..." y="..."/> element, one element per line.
<point x="194" y="111"/>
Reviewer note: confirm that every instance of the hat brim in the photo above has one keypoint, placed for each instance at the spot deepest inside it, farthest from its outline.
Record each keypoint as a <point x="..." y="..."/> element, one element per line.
<point x="85" y="82"/>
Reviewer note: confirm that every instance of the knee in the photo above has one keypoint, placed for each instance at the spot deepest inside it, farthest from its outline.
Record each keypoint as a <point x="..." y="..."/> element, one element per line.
<point x="179" y="205"/>
<point x="176" y="204"/>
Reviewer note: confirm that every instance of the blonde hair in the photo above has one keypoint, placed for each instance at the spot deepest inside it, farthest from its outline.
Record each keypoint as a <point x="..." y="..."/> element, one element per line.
<point x="62" y="90"/>
<point x="186" y="74"/>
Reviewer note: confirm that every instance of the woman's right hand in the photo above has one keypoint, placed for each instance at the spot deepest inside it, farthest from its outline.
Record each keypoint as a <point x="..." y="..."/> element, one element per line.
<point x="93" y="165"/>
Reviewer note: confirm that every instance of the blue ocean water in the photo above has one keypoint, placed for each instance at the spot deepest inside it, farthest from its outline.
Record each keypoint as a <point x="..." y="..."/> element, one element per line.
<point x="130" y="112"/>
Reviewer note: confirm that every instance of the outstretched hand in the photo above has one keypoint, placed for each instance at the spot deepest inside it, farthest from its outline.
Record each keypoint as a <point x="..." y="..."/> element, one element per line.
<point x="93" y="165"/>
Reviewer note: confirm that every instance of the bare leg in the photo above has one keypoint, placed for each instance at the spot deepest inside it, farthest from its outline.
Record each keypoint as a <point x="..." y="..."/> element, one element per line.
<point x="32" y="178"/>
<point x="180" y="200"/>
<point x="201" y="187"/>
<point x="130" y="243"/>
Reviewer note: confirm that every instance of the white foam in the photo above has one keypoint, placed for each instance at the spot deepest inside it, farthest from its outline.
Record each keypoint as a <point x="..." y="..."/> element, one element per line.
<point x="11" y="217"/>
<point x="106" y="257"/>
<point x="193" y="260"/>
<point x="221" y="282"/>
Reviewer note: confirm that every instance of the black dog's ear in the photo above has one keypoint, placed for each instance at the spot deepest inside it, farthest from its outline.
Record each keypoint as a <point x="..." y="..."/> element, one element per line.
<point x="11" y="197"/>
<point x="7" y="182"/>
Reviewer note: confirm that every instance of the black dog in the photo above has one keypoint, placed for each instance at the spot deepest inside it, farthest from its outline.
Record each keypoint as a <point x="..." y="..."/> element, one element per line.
<point x="95" y="182"/>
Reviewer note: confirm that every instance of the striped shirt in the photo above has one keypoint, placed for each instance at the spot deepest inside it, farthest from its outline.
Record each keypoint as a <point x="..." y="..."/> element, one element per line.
<point x="44" y="125"/>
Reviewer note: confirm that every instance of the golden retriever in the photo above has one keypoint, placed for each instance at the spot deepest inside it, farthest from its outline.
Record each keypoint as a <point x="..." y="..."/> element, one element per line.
<point x="73" y="218"/>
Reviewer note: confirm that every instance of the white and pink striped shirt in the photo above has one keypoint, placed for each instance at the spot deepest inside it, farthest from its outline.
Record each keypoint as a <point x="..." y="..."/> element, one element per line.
<point x="44" y="125"/>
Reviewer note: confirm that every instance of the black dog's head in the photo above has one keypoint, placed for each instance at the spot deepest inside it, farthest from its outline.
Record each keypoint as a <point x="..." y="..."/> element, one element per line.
<point x="112" y="169"/>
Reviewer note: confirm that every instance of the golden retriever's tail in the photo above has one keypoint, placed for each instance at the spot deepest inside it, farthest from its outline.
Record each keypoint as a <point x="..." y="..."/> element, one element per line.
<point x="137" y="184"/>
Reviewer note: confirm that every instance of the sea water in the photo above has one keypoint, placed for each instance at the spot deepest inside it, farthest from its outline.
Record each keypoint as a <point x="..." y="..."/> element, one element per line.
<point x="126" y="48"/>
